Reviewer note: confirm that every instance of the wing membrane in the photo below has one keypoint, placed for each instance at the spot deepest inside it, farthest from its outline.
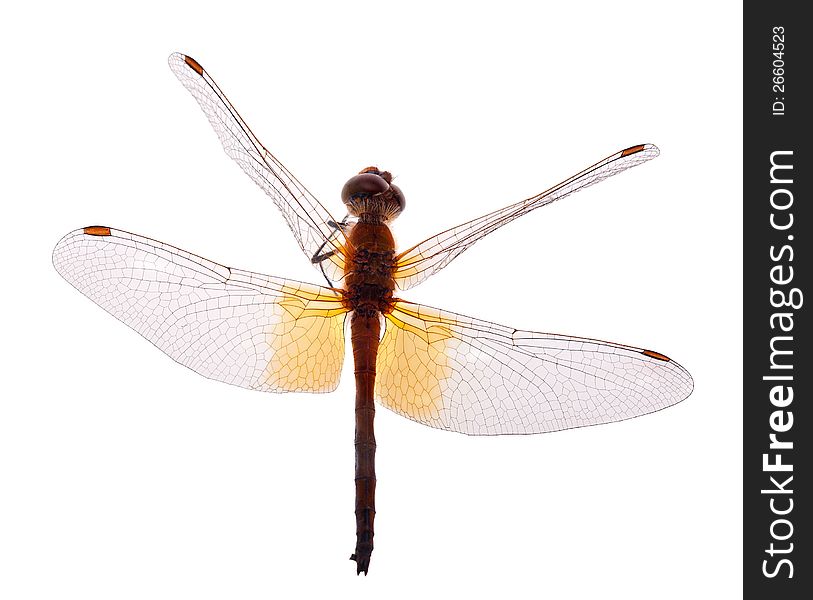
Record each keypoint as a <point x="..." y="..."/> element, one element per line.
<point x="430" y="256"/>
<point x="242" y="328"/>
<point x="463" y="374"/>
<point x="309" y="221"/>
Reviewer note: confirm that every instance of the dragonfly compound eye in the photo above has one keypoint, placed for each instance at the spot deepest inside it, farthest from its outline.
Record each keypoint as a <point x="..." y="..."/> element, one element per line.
<point x="398" y="195"/>
<point x="371" y="194"/>
<point x="364" y="184"/>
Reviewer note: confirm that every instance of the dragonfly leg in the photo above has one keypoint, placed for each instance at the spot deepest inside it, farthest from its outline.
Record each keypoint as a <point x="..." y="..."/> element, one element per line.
<point x="340" y="225"/>
<point x="317" y="258"/>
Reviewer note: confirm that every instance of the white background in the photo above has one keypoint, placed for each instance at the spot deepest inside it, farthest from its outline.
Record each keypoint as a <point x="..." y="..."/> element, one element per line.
<point x="125" y="475"/>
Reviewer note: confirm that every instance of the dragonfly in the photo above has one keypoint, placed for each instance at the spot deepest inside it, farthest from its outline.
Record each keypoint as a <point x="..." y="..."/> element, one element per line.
<point x="433" y="366"/>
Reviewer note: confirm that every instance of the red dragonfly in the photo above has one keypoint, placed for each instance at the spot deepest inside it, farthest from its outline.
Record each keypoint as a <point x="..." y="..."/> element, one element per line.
<point x="433" y="366"/>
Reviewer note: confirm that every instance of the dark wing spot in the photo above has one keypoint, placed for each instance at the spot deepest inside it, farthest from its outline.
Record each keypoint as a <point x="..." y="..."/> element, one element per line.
<point x="97" y="230"/>
<point x="193" y="64"/>
<point x="653" y="354"/>
<point x="632" y="150"/>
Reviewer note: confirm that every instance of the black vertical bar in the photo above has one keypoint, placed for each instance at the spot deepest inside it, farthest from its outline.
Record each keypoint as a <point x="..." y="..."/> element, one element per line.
<point x="777" y="559"/>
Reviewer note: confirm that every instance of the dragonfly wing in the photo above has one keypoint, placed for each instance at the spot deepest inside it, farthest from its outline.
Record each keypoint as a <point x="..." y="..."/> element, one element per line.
<point x="311" y="223"/>
<point x="430" y="256"/>
<point x="463" y="374"/>
<point x="242" y="328"/>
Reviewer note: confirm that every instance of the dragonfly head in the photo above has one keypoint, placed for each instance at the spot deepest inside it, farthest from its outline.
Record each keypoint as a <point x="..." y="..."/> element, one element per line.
<point x="372" y="194"/>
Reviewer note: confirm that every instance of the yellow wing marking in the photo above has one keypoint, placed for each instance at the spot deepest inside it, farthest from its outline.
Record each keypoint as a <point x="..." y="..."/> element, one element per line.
<point x="413" y="364"/>
<point x="307" y="341"/>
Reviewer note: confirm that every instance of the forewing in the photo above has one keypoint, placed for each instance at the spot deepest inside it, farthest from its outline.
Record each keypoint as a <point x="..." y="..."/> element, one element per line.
<point x="430" y="256"/>
<point x="309" y="221"/>
<point x="242" y="328"/>
<point x="463" y="374"/>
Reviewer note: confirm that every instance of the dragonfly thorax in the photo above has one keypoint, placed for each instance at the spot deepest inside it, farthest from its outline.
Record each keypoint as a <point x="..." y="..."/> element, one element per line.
<point x="372" y="197"/>
<point x="368" y="277"/>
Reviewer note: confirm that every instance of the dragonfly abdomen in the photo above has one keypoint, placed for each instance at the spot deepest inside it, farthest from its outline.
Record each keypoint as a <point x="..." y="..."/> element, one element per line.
<point x="365" y="330"/>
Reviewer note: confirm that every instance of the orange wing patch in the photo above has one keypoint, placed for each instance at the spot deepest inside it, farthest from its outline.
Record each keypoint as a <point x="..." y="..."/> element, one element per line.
<point x="413" y="366"/>
<point x="306" y="342"/>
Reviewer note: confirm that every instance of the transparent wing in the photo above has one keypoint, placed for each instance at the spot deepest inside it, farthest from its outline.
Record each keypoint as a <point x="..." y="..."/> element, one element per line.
<point x="430" y="256"/>
<point x="242" y="328"/>
<point x="462" y="374"/>
<point x="311" y="223"/>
